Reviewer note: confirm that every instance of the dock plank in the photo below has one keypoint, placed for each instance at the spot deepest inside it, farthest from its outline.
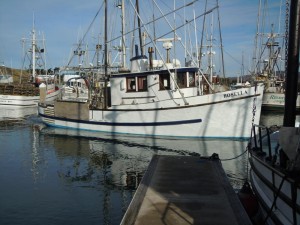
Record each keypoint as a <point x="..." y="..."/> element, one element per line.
<point x="185" y="190"/>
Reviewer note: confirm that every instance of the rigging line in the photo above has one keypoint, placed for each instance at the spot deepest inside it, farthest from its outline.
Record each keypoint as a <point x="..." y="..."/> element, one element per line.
<point x="187" y="22"/>
<point x="235" y="156"/>
<point x="184" y="24"/>
<point x="81" y="40"/>
<point x="177" y="87"/>
<point x="158" y="18"/>
<point x="232" y="57"/>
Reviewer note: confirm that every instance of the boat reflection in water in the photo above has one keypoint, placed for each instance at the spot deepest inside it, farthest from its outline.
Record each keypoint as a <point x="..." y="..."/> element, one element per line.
<point x="16" y="112"/>
<point x="127" y="157"/>
<point x="60" y="176"/>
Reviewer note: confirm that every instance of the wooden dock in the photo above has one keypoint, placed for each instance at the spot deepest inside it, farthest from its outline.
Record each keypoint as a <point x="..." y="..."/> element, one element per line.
<point x="185" y="190"/>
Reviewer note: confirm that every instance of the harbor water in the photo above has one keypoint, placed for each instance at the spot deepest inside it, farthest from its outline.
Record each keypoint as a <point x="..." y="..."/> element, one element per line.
<point x="58" y="176"/>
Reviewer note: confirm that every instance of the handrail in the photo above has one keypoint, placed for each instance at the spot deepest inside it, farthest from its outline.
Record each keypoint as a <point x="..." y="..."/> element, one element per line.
<point x="260" y="137"/>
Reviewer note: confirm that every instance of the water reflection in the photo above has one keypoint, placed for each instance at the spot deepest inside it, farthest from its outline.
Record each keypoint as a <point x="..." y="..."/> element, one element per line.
<point x="16" y="112"/>
<point x="127" y="156"/>
<point x="58" y="176"/>
<point x="273" y="118"/>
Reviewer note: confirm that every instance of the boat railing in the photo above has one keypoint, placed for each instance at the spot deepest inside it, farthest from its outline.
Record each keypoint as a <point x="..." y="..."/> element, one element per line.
<point x="259" y="133"/>
<point x="265" y="143"/>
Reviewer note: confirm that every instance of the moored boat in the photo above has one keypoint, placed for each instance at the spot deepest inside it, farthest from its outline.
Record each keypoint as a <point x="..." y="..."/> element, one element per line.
<point x="274" y="158"/>
<point x="160" y="98"/>
<point x="270" y="55"/>
<point x="27" y="93"/>
<point x="274" y="175"/>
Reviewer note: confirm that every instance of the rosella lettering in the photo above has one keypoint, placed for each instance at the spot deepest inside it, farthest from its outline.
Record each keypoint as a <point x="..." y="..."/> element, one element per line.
<point x="235" y="94"/>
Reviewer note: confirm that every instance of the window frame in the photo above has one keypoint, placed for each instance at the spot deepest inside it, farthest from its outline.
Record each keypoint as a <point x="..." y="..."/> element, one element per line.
<point x="162" y="78"/>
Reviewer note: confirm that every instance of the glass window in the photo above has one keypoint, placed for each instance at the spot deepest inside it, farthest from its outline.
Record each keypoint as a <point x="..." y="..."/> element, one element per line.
<point x="164" y="82"/>
<point x="130" y="83"/>
<point x="181" y="80"/>
<point x="192" y="78"/>
<point x="142" y="83"/>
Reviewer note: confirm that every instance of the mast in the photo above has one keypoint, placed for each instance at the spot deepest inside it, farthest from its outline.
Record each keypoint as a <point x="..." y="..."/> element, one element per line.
<point x="221" y="40"/>
<point x="139" y="26"/>
<point x="201" y="44"/>
<point x="292" y="65"/>
<point x="33" y="51"/>
<point x="105" y="55"/>
<point x="123" y="35"/>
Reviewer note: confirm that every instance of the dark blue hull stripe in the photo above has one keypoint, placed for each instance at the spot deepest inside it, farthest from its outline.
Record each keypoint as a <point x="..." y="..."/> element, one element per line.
<point x="167" y="123"/>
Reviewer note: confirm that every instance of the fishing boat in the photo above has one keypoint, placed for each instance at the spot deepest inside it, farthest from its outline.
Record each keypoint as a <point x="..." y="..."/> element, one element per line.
<point x="159" y="97"/>
<point x="27" y="93"/>
<point x="270" y="56"/>
<point x="274" y="156"/>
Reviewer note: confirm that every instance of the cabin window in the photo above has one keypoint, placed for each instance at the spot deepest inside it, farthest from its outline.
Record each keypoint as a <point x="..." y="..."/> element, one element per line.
<point x="142" y="83"/>
<point x="181" y="80"/>
<point x="164" y="82"/>
<point x="130" y="84"/>
<point x="192" y="79"/>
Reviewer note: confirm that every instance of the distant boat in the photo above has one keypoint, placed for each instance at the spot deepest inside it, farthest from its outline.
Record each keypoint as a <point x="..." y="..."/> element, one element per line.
<point x="73" y="79"/>
<point x="27" y="94"/>
<point x="5" y="78"/>
<point x="74" y="84"/>
<point x="159" y="97"/>
<point x="269" y="58"/>
<point x="275" y="156"/>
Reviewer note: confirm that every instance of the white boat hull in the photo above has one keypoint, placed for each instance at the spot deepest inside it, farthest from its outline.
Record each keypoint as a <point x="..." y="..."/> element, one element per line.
<point x="276" y="101"/>
<point x="26" y="101"/>
<point x="222" y="115"/>
<point x="267" y="182"/>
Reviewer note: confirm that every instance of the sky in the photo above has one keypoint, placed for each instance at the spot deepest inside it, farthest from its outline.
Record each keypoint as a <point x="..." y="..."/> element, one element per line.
<point x="65" y="22"/>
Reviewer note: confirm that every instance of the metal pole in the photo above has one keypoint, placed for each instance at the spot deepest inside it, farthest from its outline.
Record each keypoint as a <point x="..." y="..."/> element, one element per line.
<point x="292" y="66"/>
<point x="105" y="57"/>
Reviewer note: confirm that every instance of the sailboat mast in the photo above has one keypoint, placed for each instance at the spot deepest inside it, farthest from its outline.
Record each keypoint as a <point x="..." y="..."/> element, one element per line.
<point x="123" y="36"/>
<point x="292" y="65"/>
<point x="105" y="55"/>
<point x="202" y="36"/>
<point x="221" y="41"/>
<point x="139" y="26"/>
<point x="33" y="52"/>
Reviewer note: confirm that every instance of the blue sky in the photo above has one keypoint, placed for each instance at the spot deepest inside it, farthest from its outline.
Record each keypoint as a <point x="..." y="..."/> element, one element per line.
<point x="64" y="22"/>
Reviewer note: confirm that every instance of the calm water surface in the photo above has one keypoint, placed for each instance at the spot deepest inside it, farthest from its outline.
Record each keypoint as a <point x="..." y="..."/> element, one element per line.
<point x="57" y="176"/>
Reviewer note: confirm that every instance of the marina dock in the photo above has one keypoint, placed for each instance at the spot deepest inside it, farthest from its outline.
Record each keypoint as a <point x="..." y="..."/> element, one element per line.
<point x="185" y="190"/>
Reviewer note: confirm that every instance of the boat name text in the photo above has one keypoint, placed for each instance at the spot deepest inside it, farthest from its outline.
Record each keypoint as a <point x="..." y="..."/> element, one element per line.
<point x="275" y="97"/>
<point x="235" y="94"/>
